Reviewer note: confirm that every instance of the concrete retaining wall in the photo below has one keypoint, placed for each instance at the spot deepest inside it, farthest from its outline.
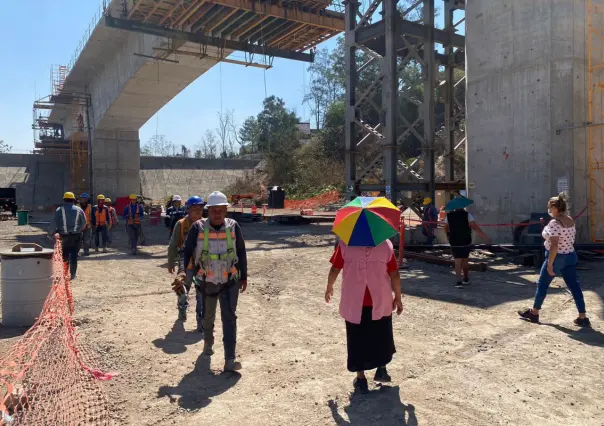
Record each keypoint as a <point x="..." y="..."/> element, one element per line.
<point x="162" y="177"/>
<point x="40" y="181"/>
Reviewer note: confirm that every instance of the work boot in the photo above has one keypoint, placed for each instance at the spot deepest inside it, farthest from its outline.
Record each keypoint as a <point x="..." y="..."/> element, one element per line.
<point x="207" y="349"/>
<point x="96" y="250"/>
<point x="230" y="365"/>
<point x="105" y="250"/>
<point x="73" y="277"/>
<point x="182" y="314"/>
<point x="381" y="375"/>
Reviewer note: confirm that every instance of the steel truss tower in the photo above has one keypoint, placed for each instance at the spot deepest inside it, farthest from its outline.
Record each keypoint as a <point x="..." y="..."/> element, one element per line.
<point x="395" y="42"/>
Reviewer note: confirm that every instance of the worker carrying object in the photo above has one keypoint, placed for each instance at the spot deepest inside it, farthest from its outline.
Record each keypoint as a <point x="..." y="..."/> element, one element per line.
<point x="174" y="213"/>
<point x="114" y="220"/>
<point x="182" y="283"/>
<point x="133" y="215"/>
<point x="101" y="221"/>
<point x="217" y="250"/>
<point x="87" y="233"/>
<point x="70" y="221"/>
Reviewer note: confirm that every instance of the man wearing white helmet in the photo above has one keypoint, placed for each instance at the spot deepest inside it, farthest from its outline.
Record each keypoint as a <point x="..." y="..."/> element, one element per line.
<point x="216" y="249"/>
<point x="174" y="213"/>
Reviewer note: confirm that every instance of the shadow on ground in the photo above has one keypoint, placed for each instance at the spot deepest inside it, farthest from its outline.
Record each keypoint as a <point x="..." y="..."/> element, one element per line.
<point x="382" y="406"/>
<point x="588" y="336"/>
<point x="197" y="388"/>
<point x="177" y="339"/>
<point x="10" y="332"/>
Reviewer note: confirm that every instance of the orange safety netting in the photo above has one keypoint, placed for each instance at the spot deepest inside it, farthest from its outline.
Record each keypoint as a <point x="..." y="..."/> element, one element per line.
<point x="311" y="203"/>
<point x="46" y="378"/>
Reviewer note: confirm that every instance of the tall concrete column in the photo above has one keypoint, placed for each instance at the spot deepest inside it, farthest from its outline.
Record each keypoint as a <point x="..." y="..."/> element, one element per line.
<point x="116" y="162"/>
<point x="526" y="76"/>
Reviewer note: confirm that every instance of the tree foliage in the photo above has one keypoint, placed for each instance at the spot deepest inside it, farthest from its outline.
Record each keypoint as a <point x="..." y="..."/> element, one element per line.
<point x="4" y="147"/>
<point x="159" y="146"/>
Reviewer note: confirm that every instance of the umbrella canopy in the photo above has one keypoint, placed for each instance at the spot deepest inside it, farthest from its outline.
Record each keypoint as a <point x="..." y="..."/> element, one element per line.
<point x="367" y="222"/>
<point x="458" y="203"/>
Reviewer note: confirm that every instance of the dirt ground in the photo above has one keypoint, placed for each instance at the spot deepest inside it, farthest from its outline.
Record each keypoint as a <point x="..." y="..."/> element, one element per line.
<point x="463" y="356"/>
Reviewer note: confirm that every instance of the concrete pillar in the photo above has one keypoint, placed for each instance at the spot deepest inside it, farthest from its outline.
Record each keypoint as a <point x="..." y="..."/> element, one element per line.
<point x="525" y="78"/>
<point x="116" y="162"/>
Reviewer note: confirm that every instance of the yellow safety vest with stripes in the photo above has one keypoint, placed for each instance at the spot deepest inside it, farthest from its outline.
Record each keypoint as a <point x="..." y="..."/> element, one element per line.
<point x="215" y="253"/>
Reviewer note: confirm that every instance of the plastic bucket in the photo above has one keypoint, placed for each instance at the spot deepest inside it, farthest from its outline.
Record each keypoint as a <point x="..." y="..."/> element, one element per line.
<point x="26" y="280"/>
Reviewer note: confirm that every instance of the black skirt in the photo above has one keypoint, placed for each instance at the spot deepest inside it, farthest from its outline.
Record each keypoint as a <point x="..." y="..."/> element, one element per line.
<point x="370" y="343"/>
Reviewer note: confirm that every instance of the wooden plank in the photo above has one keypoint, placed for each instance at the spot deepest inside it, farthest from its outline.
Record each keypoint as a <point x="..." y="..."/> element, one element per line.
<point x="323" y="21"/>
<point x="287" y="34"/>
<point x="157" y="4"/>
<point x="188" y="13"/>
<point x="221" y="20"/>
<point x="171" y="12"/>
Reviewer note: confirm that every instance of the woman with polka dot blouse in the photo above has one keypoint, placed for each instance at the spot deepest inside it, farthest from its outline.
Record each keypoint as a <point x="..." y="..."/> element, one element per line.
<point x="560" y="258"/>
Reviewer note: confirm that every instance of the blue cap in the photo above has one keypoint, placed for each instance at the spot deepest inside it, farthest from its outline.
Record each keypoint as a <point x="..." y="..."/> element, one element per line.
<point x="195" y="201"/>
<point x="84" y="195"/>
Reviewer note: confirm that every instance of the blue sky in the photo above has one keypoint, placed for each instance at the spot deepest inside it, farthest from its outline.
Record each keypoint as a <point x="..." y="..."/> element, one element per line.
<point x="38" y="33"/>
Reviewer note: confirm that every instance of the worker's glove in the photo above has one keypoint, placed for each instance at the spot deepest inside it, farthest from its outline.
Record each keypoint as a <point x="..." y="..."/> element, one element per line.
<point x="178" y="285"/>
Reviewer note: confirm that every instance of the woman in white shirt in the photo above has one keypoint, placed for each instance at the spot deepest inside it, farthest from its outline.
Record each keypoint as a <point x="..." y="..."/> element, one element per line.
<point x="560" y="258"/>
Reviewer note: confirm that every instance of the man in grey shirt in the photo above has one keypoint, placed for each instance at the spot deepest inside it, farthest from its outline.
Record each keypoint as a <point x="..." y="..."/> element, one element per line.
<point x="70" y="221"/>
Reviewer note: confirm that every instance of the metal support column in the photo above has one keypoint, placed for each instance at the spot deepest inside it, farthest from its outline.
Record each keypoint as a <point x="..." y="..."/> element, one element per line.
<point x="449" y="93"/>
<point x="390" y="101"/>
<point x="429" y="74"/>
<point x="351" y="8"/>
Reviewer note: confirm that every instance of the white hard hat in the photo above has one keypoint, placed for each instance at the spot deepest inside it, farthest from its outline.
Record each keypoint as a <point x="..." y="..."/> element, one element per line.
<point x="217" y="198"/>
<point x="176" y="198"/>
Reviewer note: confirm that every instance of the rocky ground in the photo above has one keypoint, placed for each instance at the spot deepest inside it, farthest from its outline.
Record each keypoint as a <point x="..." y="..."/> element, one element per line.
<point x="463" y="356"/>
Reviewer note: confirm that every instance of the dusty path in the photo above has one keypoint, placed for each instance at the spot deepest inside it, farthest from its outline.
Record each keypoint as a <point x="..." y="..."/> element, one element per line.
<point x="463" y="358"/>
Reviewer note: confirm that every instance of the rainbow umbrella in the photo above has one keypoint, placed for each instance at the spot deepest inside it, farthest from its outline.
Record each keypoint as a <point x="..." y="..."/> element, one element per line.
<point x="367" y="222"/>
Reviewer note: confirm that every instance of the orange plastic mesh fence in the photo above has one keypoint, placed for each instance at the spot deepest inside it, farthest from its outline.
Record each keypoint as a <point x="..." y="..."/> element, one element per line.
<point x="47" y="377"/>
<point x="311" y="203"/>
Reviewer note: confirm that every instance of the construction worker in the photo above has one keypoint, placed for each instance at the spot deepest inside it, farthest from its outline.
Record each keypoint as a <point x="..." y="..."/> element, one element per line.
<point x="101" y="220"/>
<point x="429" y="217"/>
<point x="114" y="220"/>
<point x="216" y="249"/>
<point x="133" y="214"/>
<point x="174" y="213"/>
<point x="141" y="234"/>
<point x="87" y="233"/>
<point x="70" y="221"/>
<point x="182" y="283"/>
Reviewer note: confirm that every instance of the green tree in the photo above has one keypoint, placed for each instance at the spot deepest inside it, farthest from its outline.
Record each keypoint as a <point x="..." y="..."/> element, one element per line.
<point x="4" y="147"/>
<point x="249" y="135"/>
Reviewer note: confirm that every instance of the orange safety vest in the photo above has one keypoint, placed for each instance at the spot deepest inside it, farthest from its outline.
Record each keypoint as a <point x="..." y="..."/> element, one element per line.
<point x="87" y="213"/>
<point x="101" y="218"/>
<point x="182" y="230"/>
<point x="136" y="219"/>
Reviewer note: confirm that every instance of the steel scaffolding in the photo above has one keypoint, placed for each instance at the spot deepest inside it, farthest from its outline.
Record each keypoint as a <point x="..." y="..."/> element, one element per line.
<point x="375" y="140"/>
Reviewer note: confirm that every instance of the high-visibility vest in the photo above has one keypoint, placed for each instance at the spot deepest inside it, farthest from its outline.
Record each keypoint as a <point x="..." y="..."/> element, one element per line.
<point x="88" y="213"/>
<point x="133" y="218"/>
<point x="102" y="218"/>
<point x="185" y="225"/>
<point x="75" y="229"/>
<point x="215" y="253"/>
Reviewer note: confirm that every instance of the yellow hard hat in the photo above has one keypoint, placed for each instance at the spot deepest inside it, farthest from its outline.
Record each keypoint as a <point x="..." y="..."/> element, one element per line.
<point x="427" y="201"/>
<point x="100" y="197"/>
<point x="68" y="196"/>
<point x="133" y="196"/>
<point x="107" y="200"/>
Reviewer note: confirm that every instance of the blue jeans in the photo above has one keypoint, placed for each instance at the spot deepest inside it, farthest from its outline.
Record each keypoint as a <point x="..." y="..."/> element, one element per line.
<point x="228" y="295"/>
<point x="102" y="230"/>
<point x="183" y="299"/>
<point x="71" y="246"/>
<point x="565" y="265"/>
<point x="86" y="237"/>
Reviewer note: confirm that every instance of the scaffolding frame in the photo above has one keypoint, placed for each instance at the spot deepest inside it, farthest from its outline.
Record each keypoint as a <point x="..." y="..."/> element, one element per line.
<point x="395" y="41"/>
